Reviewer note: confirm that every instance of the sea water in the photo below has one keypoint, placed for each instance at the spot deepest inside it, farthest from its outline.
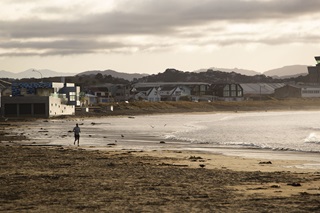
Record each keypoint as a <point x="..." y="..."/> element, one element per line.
<point x="285" y="130"/>
<point x="296" y="131"/>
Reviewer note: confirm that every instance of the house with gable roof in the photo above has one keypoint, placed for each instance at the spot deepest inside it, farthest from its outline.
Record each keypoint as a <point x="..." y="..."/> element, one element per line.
<point x="109" y="93"/>
<point x="147" y="93"/>
<point x="226" y="92"/>
<point x="175" y="90"/>
<point x="171" y="93"/>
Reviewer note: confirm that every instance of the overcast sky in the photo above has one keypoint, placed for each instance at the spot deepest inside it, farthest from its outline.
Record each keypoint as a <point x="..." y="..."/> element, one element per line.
<point x="149" y="36"/>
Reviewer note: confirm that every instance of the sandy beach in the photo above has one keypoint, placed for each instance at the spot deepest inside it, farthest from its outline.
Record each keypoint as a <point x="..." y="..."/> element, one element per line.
<point x="50" y="178"/>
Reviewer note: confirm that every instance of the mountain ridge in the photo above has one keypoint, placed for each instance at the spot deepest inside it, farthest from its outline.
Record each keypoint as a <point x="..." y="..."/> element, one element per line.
<point x="237" y="70"/>
<point x="283" y="72"/>
<point x="127" y="76"/>
<point x="287" y="71"/>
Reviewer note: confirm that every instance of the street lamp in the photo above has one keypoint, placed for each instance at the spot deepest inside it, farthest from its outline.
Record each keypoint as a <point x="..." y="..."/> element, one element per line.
<point x="37" y="72"/>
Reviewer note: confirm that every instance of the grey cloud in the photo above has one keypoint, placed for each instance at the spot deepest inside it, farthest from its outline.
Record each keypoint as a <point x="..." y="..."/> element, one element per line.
<point x="159" y="17"/>
<point x="213" y="10"/>
<point x="67" y="52"/>
<point x="18" y="54"/>
<point x="248" y="39"/>
<point x="63" y="47"/>
<point x="153" y="17"/>
<point x="63" y="44"/>
<point x="101" y="25"/>
<point x="292" y="39"/>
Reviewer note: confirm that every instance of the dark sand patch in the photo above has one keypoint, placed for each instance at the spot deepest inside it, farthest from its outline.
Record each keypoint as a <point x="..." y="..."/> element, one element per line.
<point x="55" y="179"/>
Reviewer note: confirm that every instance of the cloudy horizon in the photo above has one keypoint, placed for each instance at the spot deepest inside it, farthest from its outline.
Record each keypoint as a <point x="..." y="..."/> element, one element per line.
<point x="149" y="36"/>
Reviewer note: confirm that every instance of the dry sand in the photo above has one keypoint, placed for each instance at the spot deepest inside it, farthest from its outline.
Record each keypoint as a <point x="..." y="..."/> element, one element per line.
<point x="70" y="179"/>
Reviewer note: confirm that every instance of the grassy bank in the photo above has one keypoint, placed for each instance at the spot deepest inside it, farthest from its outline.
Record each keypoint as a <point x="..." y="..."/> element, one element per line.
<point x="132" y="108"/>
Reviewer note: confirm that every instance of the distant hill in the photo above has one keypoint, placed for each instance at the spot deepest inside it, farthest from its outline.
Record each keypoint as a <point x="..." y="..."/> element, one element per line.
<point x="210" y="77"/>
<point x="127" y="76"/>
<point x="284" y="72"/>
<point x="5" y="74"/>
<point x="45" y="73"/>
<point x="240" y="71"/>
<point x="288" y="71"/>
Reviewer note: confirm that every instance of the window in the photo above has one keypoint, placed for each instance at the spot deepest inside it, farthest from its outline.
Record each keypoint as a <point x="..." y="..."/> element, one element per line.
<point x="72" y="96"/>
<point x="226" y="92"/>
<point x="233" y="90"/>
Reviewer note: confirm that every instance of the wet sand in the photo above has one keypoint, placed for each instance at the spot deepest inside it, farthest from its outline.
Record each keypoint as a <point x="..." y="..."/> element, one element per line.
<point x="48" y="178"/>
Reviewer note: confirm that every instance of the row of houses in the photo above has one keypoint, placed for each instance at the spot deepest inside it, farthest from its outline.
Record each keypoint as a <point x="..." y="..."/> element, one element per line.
<point x="47" y="99"/>
<point x="176" y="91"/>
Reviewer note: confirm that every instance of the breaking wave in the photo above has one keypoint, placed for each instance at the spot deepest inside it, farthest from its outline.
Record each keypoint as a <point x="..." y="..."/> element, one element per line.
<point x="312" y="138"/>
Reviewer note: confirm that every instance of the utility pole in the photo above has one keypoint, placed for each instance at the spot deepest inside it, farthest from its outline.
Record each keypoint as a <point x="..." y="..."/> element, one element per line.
<point x="33" y="70"/>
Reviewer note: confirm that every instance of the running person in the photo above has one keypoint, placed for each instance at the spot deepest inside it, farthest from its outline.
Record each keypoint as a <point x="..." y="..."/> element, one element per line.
<point x="76" y="131"/>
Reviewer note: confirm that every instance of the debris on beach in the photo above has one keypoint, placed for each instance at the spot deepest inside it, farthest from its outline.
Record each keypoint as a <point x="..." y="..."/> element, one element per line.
<point x="111" y="164"/>
<point x="265" y="162"/>
<point x="202" y="165"/>
<point x="195" y="158"/>
<point x="294" y="184"/>
<point x="162" y="142"/>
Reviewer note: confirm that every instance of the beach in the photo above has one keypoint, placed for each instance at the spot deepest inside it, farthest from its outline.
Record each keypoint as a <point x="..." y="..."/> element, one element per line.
<point x="58" y="179"/>
<point x="37" y="176"/>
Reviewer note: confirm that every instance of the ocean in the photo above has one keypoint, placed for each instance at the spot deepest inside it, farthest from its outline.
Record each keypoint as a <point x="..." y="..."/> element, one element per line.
<point x="291" y="131"/>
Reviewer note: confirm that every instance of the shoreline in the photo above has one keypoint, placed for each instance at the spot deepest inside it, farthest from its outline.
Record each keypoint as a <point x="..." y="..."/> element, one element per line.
<point x="150" y="143"/>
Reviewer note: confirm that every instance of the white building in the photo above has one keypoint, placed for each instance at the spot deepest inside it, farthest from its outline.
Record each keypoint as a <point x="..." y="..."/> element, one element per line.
<point x="40" y="99"/>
